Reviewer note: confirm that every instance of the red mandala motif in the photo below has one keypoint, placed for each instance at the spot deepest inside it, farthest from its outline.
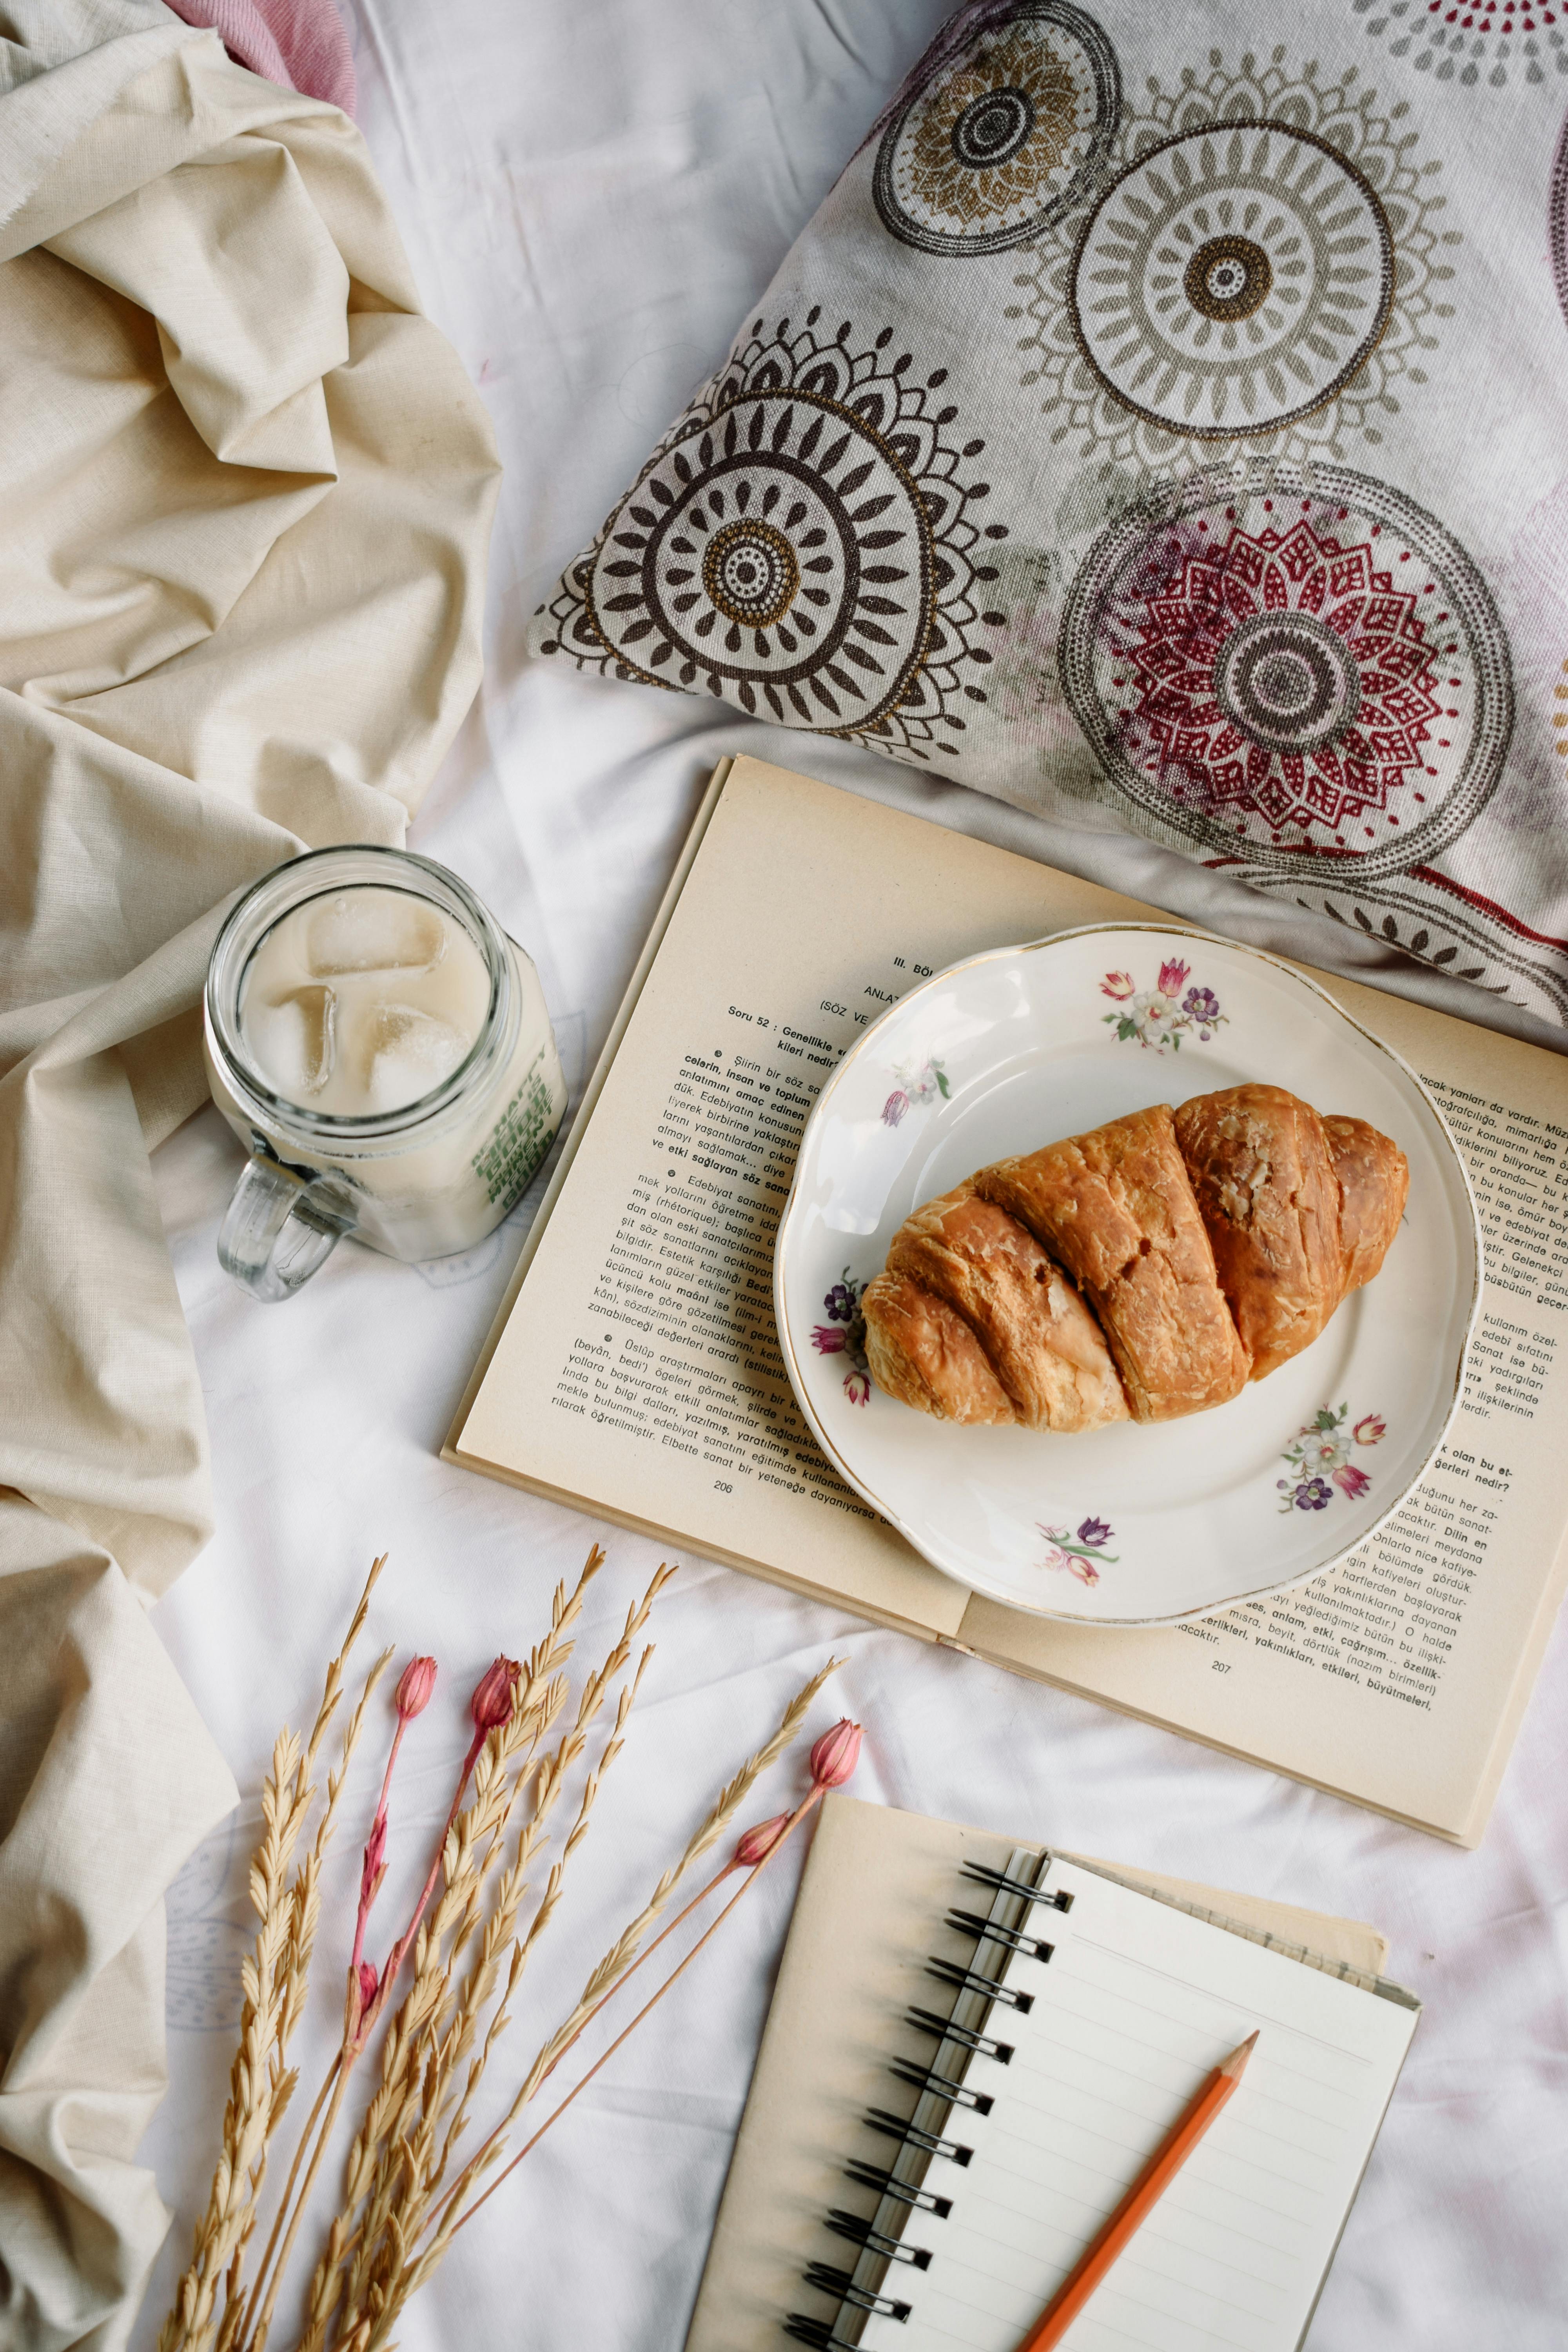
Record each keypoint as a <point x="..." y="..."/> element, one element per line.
<point x="1281" y="675"/>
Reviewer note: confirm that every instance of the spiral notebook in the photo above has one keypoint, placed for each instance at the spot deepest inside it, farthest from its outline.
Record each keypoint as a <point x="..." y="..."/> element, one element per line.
<point x="974" y="2048"/>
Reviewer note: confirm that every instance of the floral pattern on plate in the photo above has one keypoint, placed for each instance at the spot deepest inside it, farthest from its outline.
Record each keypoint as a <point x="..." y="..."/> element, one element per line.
<point x="1161" y="1016"/>
<point x="918" y="1084"/>
<point x="1319" y="1457"/>
<point x="1080" y="1555"/>
<point x="843" y="1334"/>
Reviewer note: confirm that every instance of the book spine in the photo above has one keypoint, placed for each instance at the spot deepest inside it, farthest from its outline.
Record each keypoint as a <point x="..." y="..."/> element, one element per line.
<point x="946" y="2108"/>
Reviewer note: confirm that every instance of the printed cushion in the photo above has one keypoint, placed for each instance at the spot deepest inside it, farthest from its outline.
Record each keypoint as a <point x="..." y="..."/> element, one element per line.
<point x="1168" y="408"/>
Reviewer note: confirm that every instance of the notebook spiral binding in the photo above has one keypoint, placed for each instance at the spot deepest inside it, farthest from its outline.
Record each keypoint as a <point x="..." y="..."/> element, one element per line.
<point x="1001" y="1937"/>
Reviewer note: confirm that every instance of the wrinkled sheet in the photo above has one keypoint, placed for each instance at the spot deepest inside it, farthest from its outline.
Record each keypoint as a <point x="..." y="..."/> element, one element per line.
<point x="590" y="195"/>
<point x="238" y="473"/>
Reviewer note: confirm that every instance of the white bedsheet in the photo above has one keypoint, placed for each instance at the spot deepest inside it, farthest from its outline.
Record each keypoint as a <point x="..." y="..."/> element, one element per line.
<point x="592" y="194"/>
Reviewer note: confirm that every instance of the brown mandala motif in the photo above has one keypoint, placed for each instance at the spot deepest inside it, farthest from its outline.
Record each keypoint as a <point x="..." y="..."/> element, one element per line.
<point x="807" y="543"/>
<point x="1005" y="133"/>
<point x="1267" y="268"/>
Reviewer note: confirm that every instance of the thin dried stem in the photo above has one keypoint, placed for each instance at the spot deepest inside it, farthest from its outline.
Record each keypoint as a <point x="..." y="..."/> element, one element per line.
<point x="274" y="1979"/>
<point x="470" y="1850"/>
<point x="623" y="1956"/>
<point x="500" y="1931"/>
<point x="409" y="2168"/>
<point x="452" y="2218"/>
<point x="407" y="2187"/>
<point x="619" y="1960"/>
<point x="521" y="1732"/>
<point x="307" y="1910"/>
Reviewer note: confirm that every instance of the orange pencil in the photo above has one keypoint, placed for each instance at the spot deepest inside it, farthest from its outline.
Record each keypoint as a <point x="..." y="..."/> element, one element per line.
<point x="1145" y="2193"/>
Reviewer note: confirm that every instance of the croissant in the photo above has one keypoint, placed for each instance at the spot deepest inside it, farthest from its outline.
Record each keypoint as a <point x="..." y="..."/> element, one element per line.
<point x="1146" y="1270"/>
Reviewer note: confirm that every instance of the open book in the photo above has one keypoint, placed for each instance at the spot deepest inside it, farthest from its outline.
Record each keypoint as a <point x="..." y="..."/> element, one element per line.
<point x="634" y="1370"/>
<point x="1066" y="2084"/>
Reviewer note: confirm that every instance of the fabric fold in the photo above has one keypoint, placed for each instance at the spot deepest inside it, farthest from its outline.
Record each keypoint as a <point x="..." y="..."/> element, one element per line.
<point x="244" y="501"/>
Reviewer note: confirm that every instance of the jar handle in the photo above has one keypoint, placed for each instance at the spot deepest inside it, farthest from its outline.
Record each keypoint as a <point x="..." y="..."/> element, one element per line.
<point x="280" y="1226"/>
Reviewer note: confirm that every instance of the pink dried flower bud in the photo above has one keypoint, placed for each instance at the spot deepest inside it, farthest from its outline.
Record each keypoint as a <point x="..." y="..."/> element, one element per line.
<point x="491" y="1703"/>
<point x="369" y="1983"/>
<point x="414" y="1688"/>
<point x="836" y="1754"/>
<point x="758" y="1843"/>
<point x="374" y="1866"/>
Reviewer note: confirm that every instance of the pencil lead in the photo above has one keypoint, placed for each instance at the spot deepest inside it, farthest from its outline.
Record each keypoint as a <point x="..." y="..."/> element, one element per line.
<point x="1238" y="2057"/>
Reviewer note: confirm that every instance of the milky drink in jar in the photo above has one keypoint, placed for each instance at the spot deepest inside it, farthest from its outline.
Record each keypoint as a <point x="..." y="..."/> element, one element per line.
<point x="383" y="1051"/>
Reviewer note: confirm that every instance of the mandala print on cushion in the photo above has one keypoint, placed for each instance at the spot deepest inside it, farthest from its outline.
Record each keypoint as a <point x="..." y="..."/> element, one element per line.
<point x="1194" y="444"/>
<point x="999" y="139"/>
<point x="1233" y="280"/>
<point x="1490" y="43"/>
<point x="1308" y="669"/>
<point x="801" y="545"/>
<point x="1267" y="265"/>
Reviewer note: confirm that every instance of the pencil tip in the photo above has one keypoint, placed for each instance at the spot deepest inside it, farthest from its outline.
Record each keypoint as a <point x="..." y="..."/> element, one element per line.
<point x="1238" y="2057"/>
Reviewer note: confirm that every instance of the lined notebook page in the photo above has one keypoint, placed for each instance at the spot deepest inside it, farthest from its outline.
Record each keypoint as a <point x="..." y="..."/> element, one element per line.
<point x="1137" y="2004"/>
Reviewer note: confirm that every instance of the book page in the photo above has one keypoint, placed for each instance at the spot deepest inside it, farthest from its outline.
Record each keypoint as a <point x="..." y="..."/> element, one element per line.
<point x="638" y="1373"/>
<point x="1134" y="2008"/>
<point x="1412" y="1661"/>
<point x="873" y="1900"/>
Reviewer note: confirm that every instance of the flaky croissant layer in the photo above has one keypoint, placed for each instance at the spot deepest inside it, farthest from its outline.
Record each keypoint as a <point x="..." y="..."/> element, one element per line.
<point x="1147" y="1269"/>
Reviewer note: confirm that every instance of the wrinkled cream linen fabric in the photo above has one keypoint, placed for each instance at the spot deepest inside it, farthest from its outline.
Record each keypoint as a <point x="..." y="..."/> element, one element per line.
<point x="591" y="195"/>
<point x="244" y="501"/>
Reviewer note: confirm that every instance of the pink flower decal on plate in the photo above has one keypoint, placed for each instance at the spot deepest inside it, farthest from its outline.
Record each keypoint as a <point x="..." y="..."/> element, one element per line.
<point x="918" y="1084"/>
<point x="1080" y="1554"/>
<point x="1156" y="1017"/>
<point x="1319" y="1460"/>
<point x="843" y="1334"/>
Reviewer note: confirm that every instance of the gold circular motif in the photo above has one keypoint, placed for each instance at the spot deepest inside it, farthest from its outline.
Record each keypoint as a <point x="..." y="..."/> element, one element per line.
<point x="1228" y="279"/>
<point x="1007" y="134"/>
<point x="750" y="573"/>
<point x="1000" y="132"/>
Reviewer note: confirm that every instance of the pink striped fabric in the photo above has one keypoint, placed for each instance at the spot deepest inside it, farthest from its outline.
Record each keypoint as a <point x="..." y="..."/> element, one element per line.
<point x="300" y="43"/>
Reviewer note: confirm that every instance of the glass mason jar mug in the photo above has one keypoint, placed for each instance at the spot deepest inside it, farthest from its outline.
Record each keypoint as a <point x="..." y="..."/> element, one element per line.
<point x="382" y="1050"/>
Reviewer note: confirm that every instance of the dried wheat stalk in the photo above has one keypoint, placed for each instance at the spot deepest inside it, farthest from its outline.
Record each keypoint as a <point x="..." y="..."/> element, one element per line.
<point x="407" y="2186"/>
<point x="471" y="1846"/>
<point x="409" y="2166"/>
<point x="239" y="2316"/>
<point x="274" y="1978"/>
<point x="614" y="1966"/>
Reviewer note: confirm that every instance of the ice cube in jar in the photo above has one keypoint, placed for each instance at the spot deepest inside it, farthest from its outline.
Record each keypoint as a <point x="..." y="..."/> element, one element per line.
<point x="295" y="1037"/>
<point x="407" y="997"/>
<point x="373" y="930"/>
<point x="405" y="1053"/>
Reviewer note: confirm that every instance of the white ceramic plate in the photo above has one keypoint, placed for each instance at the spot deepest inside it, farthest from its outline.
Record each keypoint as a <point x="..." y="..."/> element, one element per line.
<point x="1125" y="1526"/>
